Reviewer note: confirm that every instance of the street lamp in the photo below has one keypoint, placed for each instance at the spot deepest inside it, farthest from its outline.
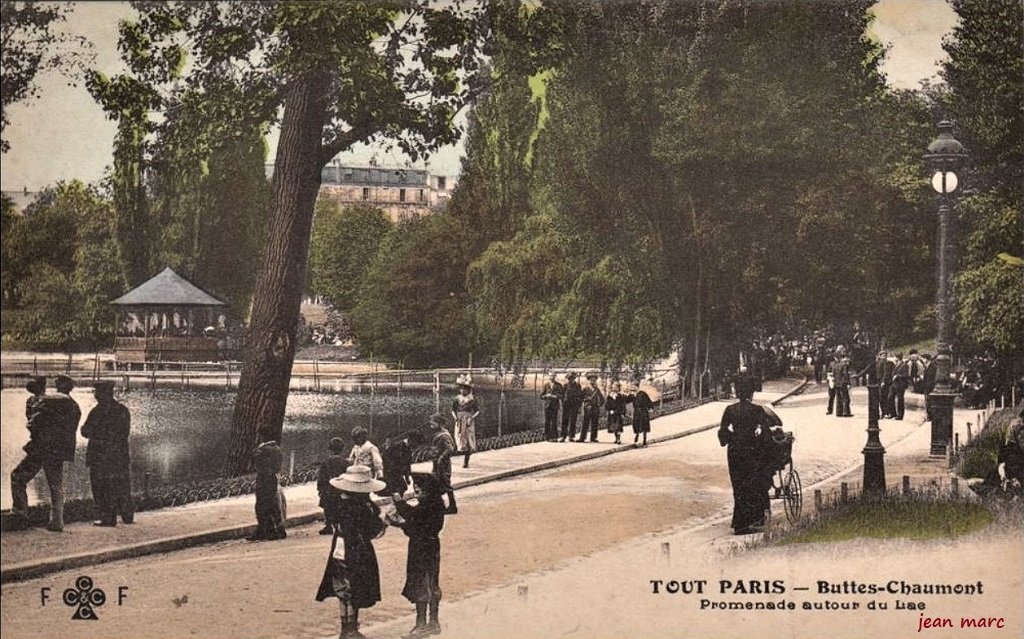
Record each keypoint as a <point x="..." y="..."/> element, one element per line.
<point x="874" y="452"/>
<point x="945" y="156"/>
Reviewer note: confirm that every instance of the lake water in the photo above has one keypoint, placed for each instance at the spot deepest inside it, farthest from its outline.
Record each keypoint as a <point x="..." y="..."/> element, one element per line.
<point x="179" y="436"/>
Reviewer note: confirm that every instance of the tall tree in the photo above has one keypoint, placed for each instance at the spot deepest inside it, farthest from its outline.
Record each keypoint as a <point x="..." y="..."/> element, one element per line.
<point x="721" y="164"/>
<point x="985" y="75"/>
<point x="413" y="305"/>
<point x="340" y="73"/>
<point x="129" y="100"/>
<point x="209" y="192"/>
<point x="419" y="304"/>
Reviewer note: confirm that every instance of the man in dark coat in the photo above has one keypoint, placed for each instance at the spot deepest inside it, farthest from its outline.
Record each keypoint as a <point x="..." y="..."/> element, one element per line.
<point x="267" y="459"/>
<point x="642" y="406"/>
<point x="52" y="424"/>
<point x="841" y="379"/>
<point x="898" y="389"/>
<point x="571" y="403"/>
<point x="756" y="367"/>
<point x="397" y="456"/>
<point x="107" y="428"/>
<point x="593" y="403"/>
<point x="552" y="394"/>
<point x="884" y="370"/>
<point x="442" y="446"/>
<point x="332" y="466"/>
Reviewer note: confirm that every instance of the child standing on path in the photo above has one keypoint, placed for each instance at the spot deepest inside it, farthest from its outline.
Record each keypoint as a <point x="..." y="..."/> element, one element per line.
<point x="422" y="524"/>
<point x="442" y="446"/>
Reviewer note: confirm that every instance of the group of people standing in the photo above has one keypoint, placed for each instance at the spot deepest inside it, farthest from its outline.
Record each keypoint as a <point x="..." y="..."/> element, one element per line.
<point x="572" y="399"/>
<point x="53" y="420"/>
<point x="352" y="575"/>
<point x="354" y="520"/>
<point x="894" y="374"/>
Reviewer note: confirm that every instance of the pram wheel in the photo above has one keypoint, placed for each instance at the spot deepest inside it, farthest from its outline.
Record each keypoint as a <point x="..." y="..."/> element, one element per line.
<point x="792" y="497"/>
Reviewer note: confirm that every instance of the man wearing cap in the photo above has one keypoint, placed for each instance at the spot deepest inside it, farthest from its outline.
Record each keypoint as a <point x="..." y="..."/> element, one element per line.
<point x="593" y="402"/>
<point x="898" y="390"/>
<point x="841" y="379"/>
<point x="884" y="369"/>
<point x="267" y="459"/>
<point x="333" y="465"/>
<point x="36" y="388"/>
<point x="571" y="406"/>
<point x="52" y="424"/>
<point x="107" y="428"/>
<point x="552" y="394"/>
<point x="442" y="445"/>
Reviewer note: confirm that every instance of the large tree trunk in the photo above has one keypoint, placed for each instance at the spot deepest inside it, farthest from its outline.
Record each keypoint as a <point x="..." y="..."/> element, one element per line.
<point x="699" y="296"/>
<point x="270" y="347"/>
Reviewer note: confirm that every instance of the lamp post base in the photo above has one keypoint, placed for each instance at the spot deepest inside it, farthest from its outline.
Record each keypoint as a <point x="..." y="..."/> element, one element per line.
<point x="941" y="405"/>
<point x="874" y="452"/>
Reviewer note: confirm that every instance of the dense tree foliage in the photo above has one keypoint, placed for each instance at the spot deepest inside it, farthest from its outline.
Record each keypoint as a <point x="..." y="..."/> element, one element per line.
<point x="985" y="77"/>
<point x="61" y="270"/>
<point x="344" y="243"/>
<point x="416" y="305"/>
<point x="209" y="197"/>
<point x="413" y="305"/>
<point x="709" y="165"/>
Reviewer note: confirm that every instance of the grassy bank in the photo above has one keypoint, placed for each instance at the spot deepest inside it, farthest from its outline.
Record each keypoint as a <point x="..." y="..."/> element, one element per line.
<point x="894" y="517"/>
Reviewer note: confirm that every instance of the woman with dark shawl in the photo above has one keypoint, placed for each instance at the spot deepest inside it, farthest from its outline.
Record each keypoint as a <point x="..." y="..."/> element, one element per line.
<point x="745" y="430"/>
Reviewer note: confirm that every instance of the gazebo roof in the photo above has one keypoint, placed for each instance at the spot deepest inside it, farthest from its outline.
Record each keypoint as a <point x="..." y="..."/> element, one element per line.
<point x="167" y="288"/>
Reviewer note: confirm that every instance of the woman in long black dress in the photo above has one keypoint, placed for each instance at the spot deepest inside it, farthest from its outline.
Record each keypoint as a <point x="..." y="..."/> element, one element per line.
<point x="642" y="406"/>
<point x="745" y="430"/>
<point x="615" y="404"/>
<point x="423" y="523"/>
<point x="352" y="574"/>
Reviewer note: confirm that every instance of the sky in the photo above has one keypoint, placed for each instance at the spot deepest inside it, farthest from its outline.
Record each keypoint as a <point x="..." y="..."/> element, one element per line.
<point x="64" y="135"/>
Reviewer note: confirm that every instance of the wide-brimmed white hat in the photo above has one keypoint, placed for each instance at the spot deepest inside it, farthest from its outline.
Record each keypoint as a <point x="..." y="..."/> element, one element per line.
<point x="357" y="479"/>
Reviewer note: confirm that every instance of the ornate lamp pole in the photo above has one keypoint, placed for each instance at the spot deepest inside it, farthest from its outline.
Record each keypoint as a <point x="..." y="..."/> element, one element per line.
<point x="874" y="452"/>
<point x="945" y="156"/>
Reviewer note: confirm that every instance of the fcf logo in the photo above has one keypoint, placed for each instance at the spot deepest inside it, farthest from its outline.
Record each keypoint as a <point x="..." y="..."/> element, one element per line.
<point x="84" y="598"/>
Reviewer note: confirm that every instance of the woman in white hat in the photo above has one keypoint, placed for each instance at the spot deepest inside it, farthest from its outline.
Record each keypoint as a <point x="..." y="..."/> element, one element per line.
<point x="464" y="411"/>
<point x="352" y="574"/>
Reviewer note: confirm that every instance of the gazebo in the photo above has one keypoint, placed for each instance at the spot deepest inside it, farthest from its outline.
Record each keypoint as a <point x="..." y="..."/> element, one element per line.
<point x="169" y="319"/>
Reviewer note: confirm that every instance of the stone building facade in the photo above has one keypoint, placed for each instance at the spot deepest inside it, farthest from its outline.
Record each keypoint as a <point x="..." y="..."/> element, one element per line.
<point x="402" y="193"/>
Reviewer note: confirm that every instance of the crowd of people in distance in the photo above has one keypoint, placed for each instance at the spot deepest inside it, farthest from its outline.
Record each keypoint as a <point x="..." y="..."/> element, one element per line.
<point x="53" y="420"/>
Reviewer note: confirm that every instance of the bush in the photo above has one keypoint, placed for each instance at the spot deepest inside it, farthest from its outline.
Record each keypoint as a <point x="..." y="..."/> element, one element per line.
<point x="978" y="458"/>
